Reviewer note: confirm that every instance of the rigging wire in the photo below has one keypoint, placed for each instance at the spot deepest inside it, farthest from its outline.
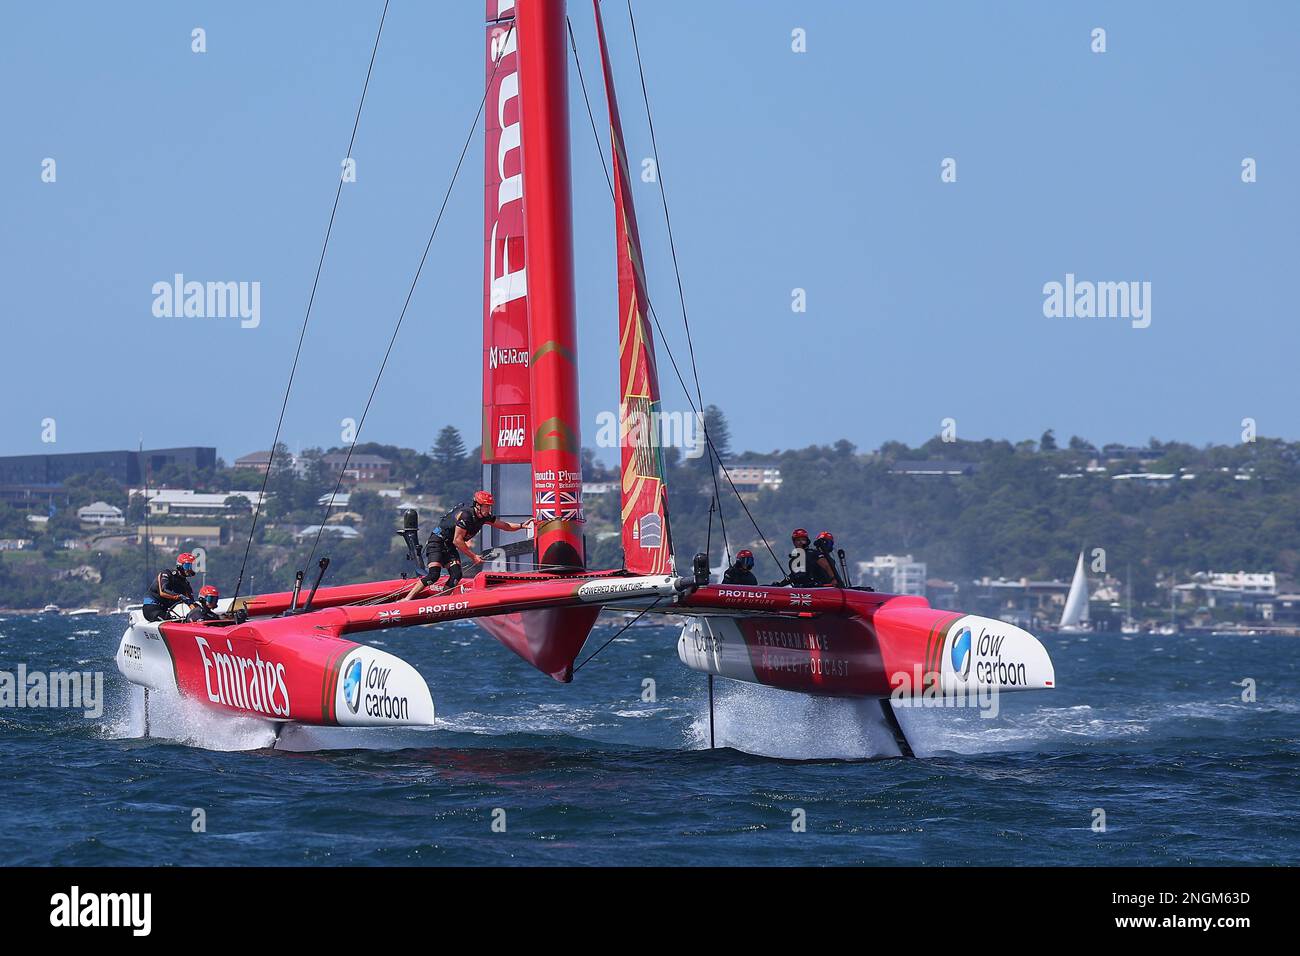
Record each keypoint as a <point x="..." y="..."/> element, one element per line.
<point x="654" y="315"/>
<point x="302" y="334"/>
<point x="642" y="613"/>
<point x="148" y="536"/>
<point x="600" y="151"/>
<point x="410" y="292"/>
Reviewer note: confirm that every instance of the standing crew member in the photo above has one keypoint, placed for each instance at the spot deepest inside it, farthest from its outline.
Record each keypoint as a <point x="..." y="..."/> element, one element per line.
<point x="742" y="570"/>
<point x="169" y="588"/>
<point x="823" y="562"/>
<point x="453" y="534"/>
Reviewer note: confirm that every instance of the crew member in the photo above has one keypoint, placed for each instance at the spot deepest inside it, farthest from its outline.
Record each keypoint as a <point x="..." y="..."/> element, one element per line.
<point x="801" y="561"/>
<point x="205" y="609"/>
<point x="824" y="568"/>
<point x="454" y="535"/>
<point x="169" y="588"/>
<point x="741" y="570"/>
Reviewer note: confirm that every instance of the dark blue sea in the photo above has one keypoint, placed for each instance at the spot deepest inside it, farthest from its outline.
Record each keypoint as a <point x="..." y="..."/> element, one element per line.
<point x="1152" y="731"/>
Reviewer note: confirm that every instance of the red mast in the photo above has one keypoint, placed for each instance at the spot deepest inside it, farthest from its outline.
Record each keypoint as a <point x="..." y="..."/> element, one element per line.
<point x="556" y="436"/>
<point x="507" y="388"/>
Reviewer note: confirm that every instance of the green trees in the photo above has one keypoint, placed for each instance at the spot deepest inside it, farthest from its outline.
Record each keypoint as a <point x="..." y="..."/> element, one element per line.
<point x="1025" y="511"/>
<point x="454" y="474"/>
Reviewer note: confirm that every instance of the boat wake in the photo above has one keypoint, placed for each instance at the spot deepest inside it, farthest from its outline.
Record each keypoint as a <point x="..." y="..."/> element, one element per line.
<point x="172" y="717"/>
<point x="768" y="722"/>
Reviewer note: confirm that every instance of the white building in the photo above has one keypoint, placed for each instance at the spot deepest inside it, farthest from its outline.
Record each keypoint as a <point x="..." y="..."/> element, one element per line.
<point x="1227" y="588"/>
<point x="186" y="503"/>
<point x="344" y="531"/>
<point x="894" y="574"/>
<point x="752" y="475"/>
<point x="101" y="513"/>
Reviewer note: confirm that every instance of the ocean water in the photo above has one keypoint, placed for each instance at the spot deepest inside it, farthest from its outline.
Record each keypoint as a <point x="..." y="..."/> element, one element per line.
<point x="1151" y="731"/>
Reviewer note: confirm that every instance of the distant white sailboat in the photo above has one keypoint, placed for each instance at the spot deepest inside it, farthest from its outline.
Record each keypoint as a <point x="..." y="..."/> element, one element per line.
<point x="1074" y="619"/>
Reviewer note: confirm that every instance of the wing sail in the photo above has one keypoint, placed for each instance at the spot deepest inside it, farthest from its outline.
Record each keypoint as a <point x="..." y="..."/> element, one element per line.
<point x="647" y="541"/>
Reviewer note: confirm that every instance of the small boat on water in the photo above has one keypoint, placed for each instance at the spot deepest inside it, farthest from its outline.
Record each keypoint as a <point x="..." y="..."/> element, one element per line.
<point x="82" y="612"/>
<point x="50" y="609"/>
<point x="1074" y="618"/>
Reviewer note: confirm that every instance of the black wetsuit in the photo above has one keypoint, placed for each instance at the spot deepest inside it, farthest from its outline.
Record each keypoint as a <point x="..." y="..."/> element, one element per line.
<point x="833" y="579"/>
<point x="801" y="568"/>
<point x="172" y="581"/>
<point x="441" y="546"/>
<point x="738" y="575"/>
<point x="200" y="612"/>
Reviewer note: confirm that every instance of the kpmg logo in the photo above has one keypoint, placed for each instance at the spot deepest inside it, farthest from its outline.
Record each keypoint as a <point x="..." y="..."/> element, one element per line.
<point x="352" y="685"/>
<point x="511" y="431"/>
<point x="961" y="653"/>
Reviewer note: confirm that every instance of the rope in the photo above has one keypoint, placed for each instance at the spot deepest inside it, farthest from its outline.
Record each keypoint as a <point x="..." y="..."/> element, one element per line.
<point x="640" y="615"/>
<point x="302" y="334"/>
<point x="405" y="305"/>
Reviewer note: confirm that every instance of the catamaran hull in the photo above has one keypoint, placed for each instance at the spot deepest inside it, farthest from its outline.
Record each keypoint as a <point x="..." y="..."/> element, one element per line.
<point x="859" y="644"/>
<point x="301" y="677"/>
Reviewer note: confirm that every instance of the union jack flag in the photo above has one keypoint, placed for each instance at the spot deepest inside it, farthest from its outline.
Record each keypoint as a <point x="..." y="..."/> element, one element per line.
<point x="799" y="598"/>
<point x="570" y="508"/>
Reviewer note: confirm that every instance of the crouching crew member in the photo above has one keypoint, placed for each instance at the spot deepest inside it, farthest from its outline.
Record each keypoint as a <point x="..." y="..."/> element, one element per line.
<point x="169" y="588"/>
<point x="454" y="534"/>
<point x="824" y="567"/>
<point x="741" y="570"/>
<point x="206" y="607"/>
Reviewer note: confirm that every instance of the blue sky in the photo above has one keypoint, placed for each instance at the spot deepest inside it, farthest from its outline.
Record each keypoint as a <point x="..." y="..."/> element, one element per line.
<point x="818" y="171"/>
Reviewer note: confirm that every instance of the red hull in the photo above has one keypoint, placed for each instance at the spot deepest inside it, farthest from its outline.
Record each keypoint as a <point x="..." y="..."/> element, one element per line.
<point x="850" y="643"/>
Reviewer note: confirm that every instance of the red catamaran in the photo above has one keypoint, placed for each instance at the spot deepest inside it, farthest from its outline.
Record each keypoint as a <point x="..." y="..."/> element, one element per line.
<point x="291" y="663"/>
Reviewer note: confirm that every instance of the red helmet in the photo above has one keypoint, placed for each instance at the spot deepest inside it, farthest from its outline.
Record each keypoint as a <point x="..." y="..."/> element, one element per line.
<point x="826" y="541"/>
<point x="484" y="498"/>
<point x="209" y="591"/>
<point x="745" y="558"/>
<point x="184" y="558"/>
<point x="744" y="553"/>
<point x="798" y="533"/>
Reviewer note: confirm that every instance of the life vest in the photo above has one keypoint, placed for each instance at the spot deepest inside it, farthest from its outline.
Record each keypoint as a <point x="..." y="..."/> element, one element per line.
<point x="462" y="516"/>
<point x="175" y="582"/>
<point x="833" y="579"/>
<point x="738" y="575"/>
<point x="801" y="568"/>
